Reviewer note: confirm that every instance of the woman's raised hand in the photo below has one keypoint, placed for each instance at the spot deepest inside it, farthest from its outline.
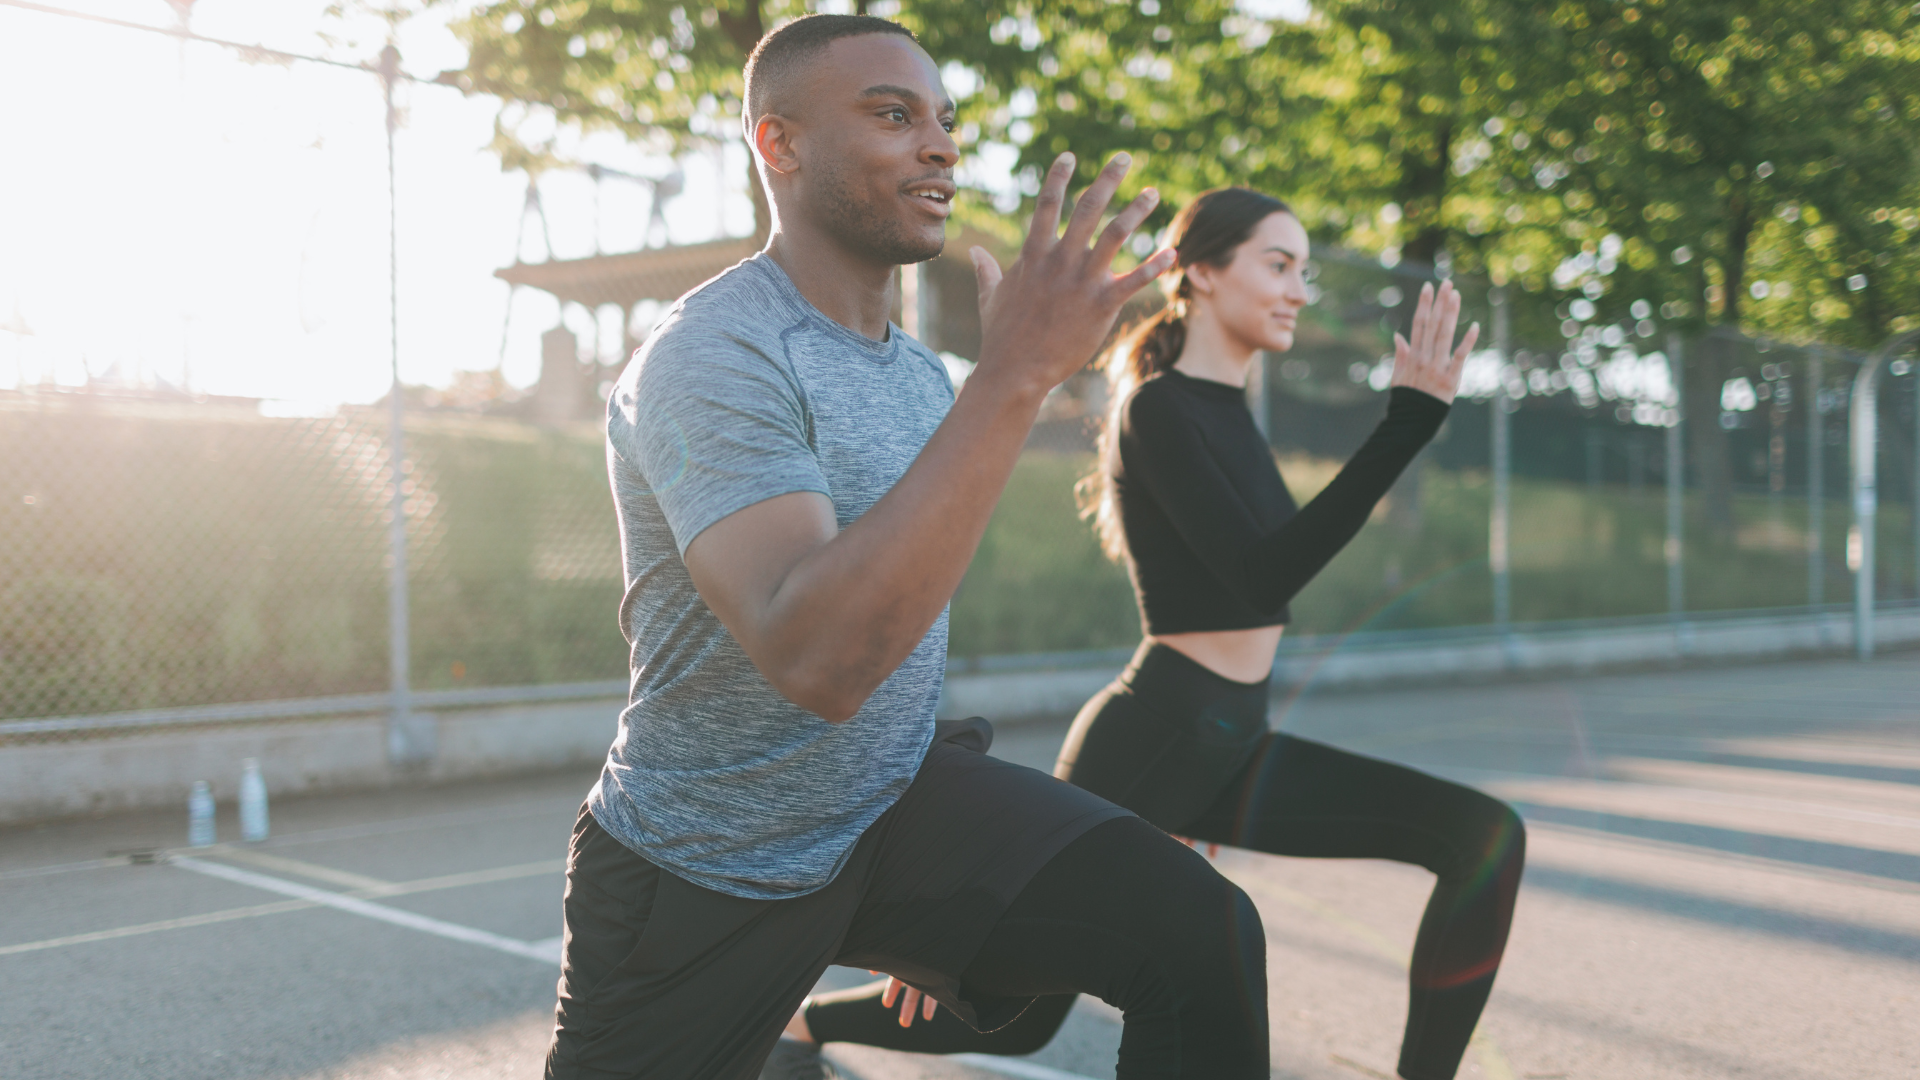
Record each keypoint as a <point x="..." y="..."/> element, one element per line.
<point x="1427" y="360"/>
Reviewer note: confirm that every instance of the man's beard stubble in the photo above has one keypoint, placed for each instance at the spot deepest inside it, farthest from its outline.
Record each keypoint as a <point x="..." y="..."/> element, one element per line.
<point x="877" y="235"/>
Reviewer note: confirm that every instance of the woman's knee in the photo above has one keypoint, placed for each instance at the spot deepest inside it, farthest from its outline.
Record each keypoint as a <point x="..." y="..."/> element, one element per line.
<point x="1485" y="833"/>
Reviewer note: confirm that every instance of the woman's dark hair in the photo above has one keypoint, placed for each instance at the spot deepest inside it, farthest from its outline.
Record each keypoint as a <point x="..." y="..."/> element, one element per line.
<point x="1208" y="230"/>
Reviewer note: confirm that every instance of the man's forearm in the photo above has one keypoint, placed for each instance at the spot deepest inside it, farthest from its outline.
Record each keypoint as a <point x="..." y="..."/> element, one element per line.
<point x="850" y="611"/>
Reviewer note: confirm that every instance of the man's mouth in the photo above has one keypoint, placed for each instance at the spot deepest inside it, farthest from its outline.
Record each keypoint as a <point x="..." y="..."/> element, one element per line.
<point x="933" y="192"/>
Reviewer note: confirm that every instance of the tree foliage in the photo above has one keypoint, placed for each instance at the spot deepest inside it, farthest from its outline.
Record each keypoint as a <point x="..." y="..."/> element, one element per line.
<point x="1743" y="162"/>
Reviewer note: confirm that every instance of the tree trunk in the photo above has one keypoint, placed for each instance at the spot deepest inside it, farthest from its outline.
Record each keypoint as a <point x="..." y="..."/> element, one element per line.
<point x="1708" y="367"/>
<point x="746" y="29"/>
<point x="1422" y="191"/>
<point x="1705" y="372"/>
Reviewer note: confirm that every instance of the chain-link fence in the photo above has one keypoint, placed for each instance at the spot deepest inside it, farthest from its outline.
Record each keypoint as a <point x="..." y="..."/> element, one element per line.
<point x="160" y="555"/>
<point x="162" y="550"/>
<point x="1764" y="507"/>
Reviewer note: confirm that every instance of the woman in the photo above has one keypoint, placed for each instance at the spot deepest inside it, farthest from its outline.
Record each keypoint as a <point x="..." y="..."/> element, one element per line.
<point x="1190" y="500"/>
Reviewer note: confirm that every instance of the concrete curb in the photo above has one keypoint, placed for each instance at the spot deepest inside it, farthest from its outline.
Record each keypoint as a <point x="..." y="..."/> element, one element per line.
<point x="95" y="765"/>
<point x="155" y="767"/>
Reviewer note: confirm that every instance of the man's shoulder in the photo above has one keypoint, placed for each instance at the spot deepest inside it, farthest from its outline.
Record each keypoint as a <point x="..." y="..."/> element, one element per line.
<point x="750" y="298"/>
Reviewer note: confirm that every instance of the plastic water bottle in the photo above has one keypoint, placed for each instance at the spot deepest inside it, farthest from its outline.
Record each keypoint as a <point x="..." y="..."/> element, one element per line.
<point x="200" y="815"/>
<point x="253" y="802"/>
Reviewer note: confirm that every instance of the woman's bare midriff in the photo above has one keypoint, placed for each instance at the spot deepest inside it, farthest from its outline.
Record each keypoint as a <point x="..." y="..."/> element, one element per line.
<point x="1241" y="655"/>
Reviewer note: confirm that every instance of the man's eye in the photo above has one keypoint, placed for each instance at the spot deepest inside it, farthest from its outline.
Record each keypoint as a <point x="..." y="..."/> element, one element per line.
<point x="899" y="115"/>
<point x="947" y="126"/>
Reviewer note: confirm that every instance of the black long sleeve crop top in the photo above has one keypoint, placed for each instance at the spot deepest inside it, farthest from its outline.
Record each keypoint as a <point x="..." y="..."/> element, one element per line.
<point x="1214" y="540"/>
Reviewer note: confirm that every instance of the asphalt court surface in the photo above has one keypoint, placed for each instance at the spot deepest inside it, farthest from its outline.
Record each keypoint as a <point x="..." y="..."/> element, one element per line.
<point x="1724" y="881"/>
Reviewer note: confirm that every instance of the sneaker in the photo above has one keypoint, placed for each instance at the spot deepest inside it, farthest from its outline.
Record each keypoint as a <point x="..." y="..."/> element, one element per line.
<point x="794" y="1060"/>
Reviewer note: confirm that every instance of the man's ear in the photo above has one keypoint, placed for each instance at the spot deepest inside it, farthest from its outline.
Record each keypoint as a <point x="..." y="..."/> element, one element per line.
<point x="773" y="139"/>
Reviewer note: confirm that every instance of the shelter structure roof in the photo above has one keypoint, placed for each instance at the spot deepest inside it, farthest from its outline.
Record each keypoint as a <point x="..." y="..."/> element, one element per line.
<point x="664" y="273"/>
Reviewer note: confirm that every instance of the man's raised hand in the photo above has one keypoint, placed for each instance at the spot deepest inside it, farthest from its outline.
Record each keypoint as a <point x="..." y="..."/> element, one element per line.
<point x="1044" y="316"/>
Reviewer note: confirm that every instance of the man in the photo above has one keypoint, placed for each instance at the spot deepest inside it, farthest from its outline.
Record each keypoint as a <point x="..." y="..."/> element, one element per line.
<point x="799" y="494"/>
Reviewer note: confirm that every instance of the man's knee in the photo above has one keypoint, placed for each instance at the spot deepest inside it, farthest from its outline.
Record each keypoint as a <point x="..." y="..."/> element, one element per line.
<point x="1207" y="926"/>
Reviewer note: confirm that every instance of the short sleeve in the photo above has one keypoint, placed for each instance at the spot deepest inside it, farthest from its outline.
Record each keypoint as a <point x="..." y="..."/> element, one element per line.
<point x="712" y="425"/>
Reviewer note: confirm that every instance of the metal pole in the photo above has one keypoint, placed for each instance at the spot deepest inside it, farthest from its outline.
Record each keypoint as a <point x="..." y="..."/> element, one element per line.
<point x="1500" y="419"/>
<point x="1676" y="476"/>
<point x="183" y="17"/>
<point x="1816" y="481"/>
<point x="1863" y="424"/>
<point x="405" y="744"/>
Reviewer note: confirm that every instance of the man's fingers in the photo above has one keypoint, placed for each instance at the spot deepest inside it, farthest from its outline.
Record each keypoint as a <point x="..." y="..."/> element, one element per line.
<point x="907" y="1002"/>
<point x="1045" y="227"/>
<point x="986" y="271"/>
<point x="927" y="1007"/>
<point x="1123" y="225"/>
<point x="1093" y="202"/>
<point x="1137" y="278"/>
<point x="892" y="991"/>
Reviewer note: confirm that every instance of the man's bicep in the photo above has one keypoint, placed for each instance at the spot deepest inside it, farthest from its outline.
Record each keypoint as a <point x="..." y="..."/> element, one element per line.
<point x="739" y="562"/>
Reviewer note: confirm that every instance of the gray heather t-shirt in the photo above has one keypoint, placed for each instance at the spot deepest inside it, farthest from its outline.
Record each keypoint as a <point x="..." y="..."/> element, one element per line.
<point x="744" y="392"/>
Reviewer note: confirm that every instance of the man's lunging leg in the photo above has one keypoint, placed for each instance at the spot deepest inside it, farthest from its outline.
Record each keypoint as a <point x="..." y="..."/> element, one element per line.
<point x="1132" y="916"/>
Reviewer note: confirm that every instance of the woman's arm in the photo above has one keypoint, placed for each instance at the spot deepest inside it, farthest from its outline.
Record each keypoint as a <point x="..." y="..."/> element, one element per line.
<point x="1170" y="458"/>
<point x="1166" y="454"/>
<point x="1281" y="563"/>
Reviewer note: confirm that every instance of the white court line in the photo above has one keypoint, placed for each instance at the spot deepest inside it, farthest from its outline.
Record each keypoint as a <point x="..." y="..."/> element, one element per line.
<point x="155" y="927"/>
<point x="367" y="909"/>
<point x="1026" y="1070"/>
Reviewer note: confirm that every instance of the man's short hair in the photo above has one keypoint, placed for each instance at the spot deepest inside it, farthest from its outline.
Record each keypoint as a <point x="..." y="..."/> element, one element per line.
<point x="784" y="52"/>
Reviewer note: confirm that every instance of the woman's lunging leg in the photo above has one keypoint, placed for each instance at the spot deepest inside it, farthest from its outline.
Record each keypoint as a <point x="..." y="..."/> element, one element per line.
<point x="1303" y="798"/>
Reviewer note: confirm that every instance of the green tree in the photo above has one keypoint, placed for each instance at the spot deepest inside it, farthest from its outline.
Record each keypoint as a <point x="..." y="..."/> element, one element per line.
<point x="1743" y="159"/>
<point x="670" y="74"/>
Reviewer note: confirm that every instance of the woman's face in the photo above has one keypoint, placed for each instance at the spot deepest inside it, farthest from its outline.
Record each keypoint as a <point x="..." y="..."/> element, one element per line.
<point x="1257" y="297"/>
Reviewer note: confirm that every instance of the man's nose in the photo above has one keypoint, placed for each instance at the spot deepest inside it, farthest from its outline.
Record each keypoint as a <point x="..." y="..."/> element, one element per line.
<point x="941" y="150"/>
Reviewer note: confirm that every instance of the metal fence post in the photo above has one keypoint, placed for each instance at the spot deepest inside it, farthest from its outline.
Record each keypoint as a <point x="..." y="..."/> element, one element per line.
<point x="408" y="741"/>
<point x="1676" y="476"/>
<point x="1499" y="518"/>
<point x="1816" y="481"/>
<point x="1864" y="421"/>
<point x="1863" y="424"/>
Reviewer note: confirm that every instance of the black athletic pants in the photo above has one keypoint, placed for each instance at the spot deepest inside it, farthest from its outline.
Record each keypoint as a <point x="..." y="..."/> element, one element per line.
<point x="957" y="890"/>
<point x="1188" y="750"/>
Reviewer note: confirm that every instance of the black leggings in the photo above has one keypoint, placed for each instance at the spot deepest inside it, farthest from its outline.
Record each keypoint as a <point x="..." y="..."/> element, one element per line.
<point x="1188" y="751"/>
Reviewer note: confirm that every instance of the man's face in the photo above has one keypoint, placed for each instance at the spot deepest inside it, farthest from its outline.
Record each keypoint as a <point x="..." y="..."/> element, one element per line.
<point x="876" y="149"/>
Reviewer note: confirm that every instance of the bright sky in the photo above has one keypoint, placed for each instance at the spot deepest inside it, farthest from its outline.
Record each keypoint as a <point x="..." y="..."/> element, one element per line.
<point x="235" y="226"/>
<point x="228" y="229"/>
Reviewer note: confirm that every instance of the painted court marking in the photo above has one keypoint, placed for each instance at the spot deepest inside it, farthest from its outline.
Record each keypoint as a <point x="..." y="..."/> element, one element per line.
<point x="188" y="922"/>
<point x="370" y="910"/>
